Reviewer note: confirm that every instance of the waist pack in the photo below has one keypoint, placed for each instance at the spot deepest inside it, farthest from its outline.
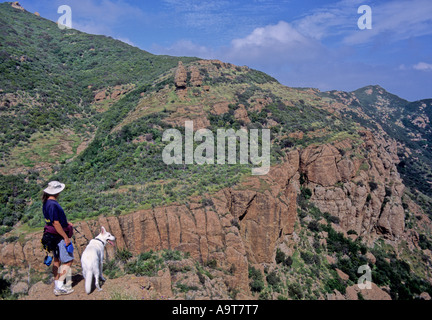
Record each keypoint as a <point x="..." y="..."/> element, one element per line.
<point x="50" y="241"/>
<point x="68" y="230"/>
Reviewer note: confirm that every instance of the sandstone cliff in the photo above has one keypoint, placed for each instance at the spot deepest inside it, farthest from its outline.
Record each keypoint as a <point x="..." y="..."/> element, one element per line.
<point x="245" y="224"/>
<point x="359" y="185"/>
<point x="231" y="227"/>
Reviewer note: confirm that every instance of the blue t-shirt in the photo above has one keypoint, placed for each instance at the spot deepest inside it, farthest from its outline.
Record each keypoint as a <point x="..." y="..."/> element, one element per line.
<point x="52" y="211"/>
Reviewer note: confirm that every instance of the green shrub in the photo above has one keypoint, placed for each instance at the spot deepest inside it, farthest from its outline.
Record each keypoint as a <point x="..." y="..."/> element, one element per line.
<point x="313" y="226"/>
<point x="335" y="284"/>
<point x="257" y="282"/>
<point x="123" y="255"/>
<point x="306" y="193"/>
<point x="185" y="288"/>
<point x="424" y="242"/>
<point x="351" y="232"/>
<point x="280" y="256"/>
<point x="288" y="261"/>
<point x="112" y="270"/>
<point x="172" y="255"/>
<point x="272" y="279"/>
<point x="295" y="291"/>
<point x="333" y="219"/>
<point x="146" y="264"/>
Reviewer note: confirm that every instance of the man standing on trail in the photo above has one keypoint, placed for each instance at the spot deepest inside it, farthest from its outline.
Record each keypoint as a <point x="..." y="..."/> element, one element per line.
<point x="59" y="232"/>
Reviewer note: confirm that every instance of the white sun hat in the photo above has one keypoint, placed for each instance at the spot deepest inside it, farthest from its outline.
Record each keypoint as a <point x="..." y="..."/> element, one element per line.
<point x="54" y="187"/>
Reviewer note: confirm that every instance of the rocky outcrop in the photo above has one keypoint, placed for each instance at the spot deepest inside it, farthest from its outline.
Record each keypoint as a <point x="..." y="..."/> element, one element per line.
<point x="113" y="93"/>
<point x="241" y="114"/>
<point x="17" y="5"/>
<point x="180" y="77"/>
<point x="220" y="108"/>
<point x="196" y="78"/>
<point x="354" y="292"/>
<point x="374" y="293"/>
<point x="186" y="77"/>
<point x="127" y="287"/>
<point x="194" y="113"/>
<point x="359" y="185"/>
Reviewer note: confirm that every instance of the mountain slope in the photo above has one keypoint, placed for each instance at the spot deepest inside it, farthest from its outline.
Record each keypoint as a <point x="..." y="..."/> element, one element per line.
<point x="407" y="123"/>
<point x="51" y="79"/>
<point x="333" y="201"/>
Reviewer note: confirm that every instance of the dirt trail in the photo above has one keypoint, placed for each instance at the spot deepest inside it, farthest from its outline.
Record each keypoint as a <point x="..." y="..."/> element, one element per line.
<point x="124" y="288"/>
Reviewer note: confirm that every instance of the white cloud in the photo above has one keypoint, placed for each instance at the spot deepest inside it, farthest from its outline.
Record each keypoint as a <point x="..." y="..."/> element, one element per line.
<point x="274" y="44"/>
<point x="281" y="33"/>
<point x="423" y="66"/>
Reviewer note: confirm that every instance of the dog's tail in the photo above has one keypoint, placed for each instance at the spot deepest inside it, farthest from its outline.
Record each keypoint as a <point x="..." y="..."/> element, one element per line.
<point x="88" y="281"/>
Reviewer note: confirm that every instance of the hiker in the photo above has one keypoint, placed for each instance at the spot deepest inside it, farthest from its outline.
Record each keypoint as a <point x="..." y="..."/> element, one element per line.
<point x="56" y="238"/>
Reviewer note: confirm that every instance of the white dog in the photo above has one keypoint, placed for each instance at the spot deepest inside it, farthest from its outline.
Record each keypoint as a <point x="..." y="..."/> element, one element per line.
<point x="92" y="259"/>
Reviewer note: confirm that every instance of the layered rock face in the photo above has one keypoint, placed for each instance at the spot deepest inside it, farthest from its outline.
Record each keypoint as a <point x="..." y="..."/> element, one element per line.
<point x="231" y="227"/>
<point x="196" y="78"/>
<point x="245" y="224"/>
<point x="180" y="77"/>
<point x="360" y="185"/>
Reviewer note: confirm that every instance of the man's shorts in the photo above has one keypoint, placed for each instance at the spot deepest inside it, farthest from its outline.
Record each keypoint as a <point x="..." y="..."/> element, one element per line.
<point x="62" y="254"/>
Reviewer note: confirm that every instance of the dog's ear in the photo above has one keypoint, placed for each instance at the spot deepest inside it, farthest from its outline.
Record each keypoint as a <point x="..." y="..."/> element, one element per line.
<point x="103" y="230"/>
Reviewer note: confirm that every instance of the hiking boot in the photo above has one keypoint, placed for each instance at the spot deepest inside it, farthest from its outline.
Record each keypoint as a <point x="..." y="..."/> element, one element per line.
<point x="63" y="291"/>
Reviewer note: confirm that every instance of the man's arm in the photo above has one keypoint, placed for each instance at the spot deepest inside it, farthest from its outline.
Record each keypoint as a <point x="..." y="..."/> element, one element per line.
<point x="61" y="232"/>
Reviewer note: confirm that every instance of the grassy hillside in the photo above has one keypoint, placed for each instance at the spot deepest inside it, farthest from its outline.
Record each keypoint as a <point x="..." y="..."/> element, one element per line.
<point x="50" y="76"/>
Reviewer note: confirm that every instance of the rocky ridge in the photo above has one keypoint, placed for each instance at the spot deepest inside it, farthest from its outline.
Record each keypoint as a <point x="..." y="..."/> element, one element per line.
<point x="245" y="224"/>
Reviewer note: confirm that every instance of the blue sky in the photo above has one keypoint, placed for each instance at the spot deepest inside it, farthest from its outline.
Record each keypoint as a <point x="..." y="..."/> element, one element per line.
<point x="301" y="43"/>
